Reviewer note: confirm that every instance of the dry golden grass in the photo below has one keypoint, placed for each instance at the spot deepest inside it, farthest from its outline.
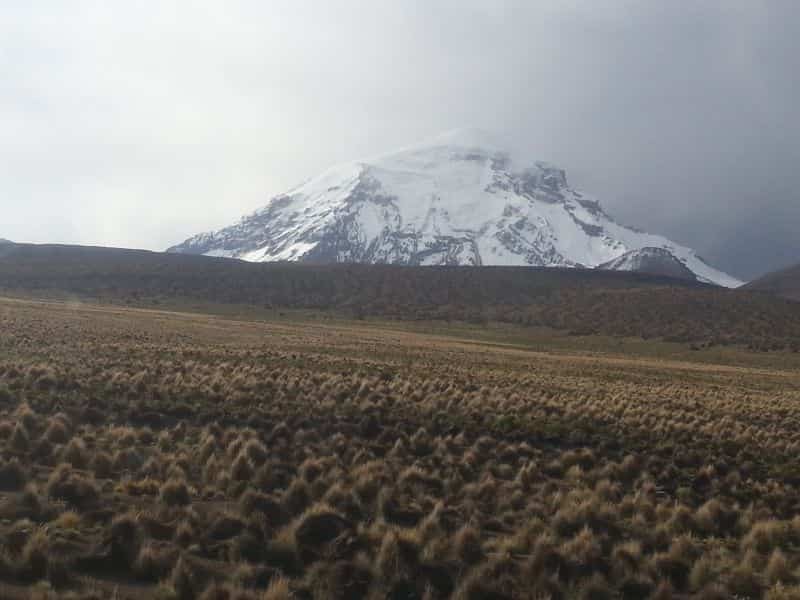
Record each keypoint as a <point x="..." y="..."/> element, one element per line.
<point x="150" y="454"/>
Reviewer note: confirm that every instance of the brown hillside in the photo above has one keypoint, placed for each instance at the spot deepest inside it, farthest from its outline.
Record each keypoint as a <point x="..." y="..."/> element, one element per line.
<point x="785" y="282"/>
<point x="580" y="301"/>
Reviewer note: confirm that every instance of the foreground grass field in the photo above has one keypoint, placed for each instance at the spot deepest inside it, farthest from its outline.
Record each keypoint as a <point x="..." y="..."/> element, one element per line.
<point x="177" y="455"/>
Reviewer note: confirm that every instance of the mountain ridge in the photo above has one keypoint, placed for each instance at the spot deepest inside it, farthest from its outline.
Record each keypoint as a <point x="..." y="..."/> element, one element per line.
<point x="455" y="199"/>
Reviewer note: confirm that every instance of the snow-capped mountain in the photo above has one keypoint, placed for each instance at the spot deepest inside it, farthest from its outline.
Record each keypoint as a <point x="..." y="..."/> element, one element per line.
<point x="456" y="199"/>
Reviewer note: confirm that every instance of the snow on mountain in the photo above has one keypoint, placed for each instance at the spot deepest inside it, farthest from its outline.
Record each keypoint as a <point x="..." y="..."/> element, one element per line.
<point x="655" y="261"/>
<point x="456" y="199"/>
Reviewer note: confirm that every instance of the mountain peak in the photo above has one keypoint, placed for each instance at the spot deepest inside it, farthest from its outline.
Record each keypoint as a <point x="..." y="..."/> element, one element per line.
<point x="456" y="198"/>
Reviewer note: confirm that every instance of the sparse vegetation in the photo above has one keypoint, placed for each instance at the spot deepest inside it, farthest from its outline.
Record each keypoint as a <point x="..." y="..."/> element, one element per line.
<point x="576" y="301"/>
<point x="148" y="454"/>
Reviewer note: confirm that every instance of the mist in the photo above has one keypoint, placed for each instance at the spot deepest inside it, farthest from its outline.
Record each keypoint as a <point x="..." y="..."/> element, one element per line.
<point x="138" y="126"/>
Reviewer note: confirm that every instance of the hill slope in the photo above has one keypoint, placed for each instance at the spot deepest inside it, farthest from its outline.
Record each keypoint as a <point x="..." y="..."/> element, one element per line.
<point x="458" y="199"/>
<point x="577" y="300"/>
<point x="785" y="282"/>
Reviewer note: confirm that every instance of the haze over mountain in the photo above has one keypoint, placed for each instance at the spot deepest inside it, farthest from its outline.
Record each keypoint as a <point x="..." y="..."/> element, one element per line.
<point x="457" y="199"/>
<point x="138" y="128"/>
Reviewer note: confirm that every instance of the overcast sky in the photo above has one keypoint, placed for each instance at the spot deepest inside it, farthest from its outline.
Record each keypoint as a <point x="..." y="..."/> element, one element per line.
<point x="138" y="124"/>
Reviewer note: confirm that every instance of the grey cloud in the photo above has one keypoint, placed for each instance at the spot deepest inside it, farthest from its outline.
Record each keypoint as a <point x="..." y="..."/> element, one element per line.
<point x="134" y="127"/>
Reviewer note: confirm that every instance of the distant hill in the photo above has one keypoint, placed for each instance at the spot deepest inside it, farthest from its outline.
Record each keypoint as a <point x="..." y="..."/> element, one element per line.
<point x="785" y="283"/>
<point x="581" y="301"/>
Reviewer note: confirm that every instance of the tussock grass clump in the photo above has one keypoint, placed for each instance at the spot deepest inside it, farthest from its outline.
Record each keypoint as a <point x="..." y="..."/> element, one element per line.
<point x="779" y="569"/>
<point x="102" y="465"/>
<point x="73" y="488"/>
<point x="184" y="581"/>
<point x="467" y="545"/>
<point x="75" y="454"/>
<point x="6" y="429"/>
<point x="241" y="469"/>
<point x="68" y="520"/>
<point x="155" y="561"/>
<point x="125" y="539"/>
<point x="256" y="452"/>
<point x="253" y="502"/>
<point x="781" y="592"/>
<point x="34" y="559"/>
<point x="20" y="439"/>
<point x="279" y="589"/>
<point x="320" y="530"/>
<point x="219" y="591"/>
<point x="765" y="536"/>
<point x="12" y="475"/>
<point x="225" y="527"/>
<point x="175" y="492"/>
<point x="26" y="417"/>
<point x="57" y="431"/>
<point x="297" y="497"/>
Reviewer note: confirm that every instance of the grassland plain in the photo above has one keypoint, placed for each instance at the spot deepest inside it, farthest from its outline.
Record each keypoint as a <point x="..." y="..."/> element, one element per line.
<point x="291" y="455"/>
<point x="580" y="301"/>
